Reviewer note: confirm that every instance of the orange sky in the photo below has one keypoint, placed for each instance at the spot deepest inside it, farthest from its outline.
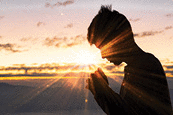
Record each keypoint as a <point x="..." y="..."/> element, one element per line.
<point x="47" y="32"/>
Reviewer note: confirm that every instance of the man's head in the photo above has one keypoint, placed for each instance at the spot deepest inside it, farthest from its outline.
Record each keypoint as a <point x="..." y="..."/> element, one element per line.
<point x="111" y="32"/>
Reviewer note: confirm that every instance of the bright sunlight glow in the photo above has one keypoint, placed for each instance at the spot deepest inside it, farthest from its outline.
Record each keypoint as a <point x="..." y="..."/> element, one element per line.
<point x="87" y="55"/>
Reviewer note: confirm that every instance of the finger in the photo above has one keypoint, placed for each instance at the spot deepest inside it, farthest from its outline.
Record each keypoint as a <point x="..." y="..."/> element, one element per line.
<point x="94" y="77"/>
<point x="103" y="75"/>
<point x="90" y="84"/>
<point x="96" y="72"/>
<point x="99" y="73"/>
<point x="99" y="80"/>
<point x="87" y="80"/>
<point x="98" y="84"/>
<point x="87" y="87"/>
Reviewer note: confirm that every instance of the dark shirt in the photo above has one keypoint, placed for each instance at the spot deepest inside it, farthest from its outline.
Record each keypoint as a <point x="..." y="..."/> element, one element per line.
<point x="145" y="89"/>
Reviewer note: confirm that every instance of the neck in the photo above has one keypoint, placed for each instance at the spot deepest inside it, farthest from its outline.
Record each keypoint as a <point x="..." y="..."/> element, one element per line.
<point x="134" y="55"/>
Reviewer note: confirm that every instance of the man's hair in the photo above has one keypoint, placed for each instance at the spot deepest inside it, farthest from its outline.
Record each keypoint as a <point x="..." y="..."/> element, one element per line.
<point x="108" y="26"/>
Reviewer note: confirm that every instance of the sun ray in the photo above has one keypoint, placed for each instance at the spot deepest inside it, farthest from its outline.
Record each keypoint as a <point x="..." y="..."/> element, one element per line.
<point x="116" y="40"/>
<point x="33" y="93"/>
<point x="72" y="81"/>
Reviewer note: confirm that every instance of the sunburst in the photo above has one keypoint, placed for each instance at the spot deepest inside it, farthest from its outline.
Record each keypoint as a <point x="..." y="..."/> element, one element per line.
<point x="86" y="55"/>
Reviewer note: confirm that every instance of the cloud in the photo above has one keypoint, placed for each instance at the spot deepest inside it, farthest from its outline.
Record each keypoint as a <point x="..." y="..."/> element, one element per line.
<point x="68" y="2"/>
<point x="118" y="72"/>
<point x="148" y="33"/>
<point x="32" y="74"/>
<point x="169" y="15"/>
<point x="71" y="44"/>
<point x="168" y="69"/>
<point x="64" y="42"/>
<point x="48" y="69"/>
<point x="110" y="67"/>
<point x="1" y="17"/>
<point x="169" y="66"/>
<point x="53" y="41"/>
<point x="47" y="5"/>
<point x="10" y="47"/>
<point x="170" y="72"/>
<point x="39" y="70"/>
<point x="134" y="20"/>
<point x="69" y="25"/>
<point x="25" y="39"/>
<point x="168" y="27"/>
<point x="40" y="23"/>
<point x="29" y="40"/>
<point x="152" y="33"/>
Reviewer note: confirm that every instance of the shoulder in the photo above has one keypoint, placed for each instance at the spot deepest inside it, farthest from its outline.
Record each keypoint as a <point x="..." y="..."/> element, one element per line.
<point x="151" y="59"/>
<point x="150" y="63"/>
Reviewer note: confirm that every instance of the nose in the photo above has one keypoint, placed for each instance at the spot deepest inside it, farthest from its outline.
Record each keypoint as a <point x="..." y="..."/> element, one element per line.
<point x="103" y="56"/>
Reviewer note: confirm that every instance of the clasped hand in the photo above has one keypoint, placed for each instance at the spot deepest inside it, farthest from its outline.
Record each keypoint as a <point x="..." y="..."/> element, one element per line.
<point x="97" y="82"/>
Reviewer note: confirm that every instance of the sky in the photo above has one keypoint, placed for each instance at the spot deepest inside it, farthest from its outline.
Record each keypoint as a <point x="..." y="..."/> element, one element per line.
<point x="43" y="44"/>
<point x="46" y="33"/>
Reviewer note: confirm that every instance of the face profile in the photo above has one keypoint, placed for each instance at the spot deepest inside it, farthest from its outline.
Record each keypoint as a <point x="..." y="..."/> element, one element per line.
<point x="111" y="32"/>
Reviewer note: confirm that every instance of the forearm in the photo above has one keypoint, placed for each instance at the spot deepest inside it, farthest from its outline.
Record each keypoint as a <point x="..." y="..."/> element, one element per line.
<point x="111" y="102"/>
<point x="107" y="99"/>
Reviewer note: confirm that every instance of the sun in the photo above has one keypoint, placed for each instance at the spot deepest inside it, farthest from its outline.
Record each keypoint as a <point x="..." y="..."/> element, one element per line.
<point x="87" y="55"/>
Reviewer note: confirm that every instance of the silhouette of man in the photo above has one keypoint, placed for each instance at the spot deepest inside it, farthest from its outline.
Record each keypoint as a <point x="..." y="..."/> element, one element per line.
<point x="144" y="90"/>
